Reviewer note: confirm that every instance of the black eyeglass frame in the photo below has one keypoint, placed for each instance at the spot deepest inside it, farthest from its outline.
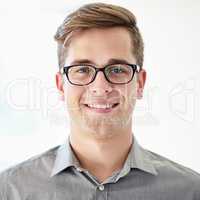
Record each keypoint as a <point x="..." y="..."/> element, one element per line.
<point x="65" y="69"/>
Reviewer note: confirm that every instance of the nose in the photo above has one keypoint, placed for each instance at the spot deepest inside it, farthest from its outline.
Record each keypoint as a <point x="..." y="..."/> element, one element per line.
<point x="100" y="86"/>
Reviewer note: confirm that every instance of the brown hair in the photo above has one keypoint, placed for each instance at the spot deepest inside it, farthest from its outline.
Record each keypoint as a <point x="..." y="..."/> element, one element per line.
<point x="99" y="15"/>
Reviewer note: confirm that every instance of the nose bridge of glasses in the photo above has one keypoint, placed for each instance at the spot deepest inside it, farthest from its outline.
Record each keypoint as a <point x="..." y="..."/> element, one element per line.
<point x="100" y="85"/>
<point x="103" y="73"/>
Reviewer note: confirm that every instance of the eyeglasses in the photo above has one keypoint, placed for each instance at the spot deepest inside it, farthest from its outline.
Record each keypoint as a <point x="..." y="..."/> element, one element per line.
<point x="84" y="74"/>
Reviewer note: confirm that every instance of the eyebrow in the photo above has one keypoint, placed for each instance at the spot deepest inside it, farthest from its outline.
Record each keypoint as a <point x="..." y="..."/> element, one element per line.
<point x="110" y="61"/>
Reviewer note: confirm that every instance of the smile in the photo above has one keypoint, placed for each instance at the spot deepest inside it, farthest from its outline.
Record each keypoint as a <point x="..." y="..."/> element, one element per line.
<point x="101" y="108"/>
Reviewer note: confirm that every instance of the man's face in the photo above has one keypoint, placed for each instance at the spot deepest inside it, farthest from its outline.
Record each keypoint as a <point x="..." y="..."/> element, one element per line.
<point x="85" y="104"/>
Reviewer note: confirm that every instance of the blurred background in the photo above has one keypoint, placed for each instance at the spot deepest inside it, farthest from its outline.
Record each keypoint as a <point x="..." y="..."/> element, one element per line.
<point x="32" y="118"/>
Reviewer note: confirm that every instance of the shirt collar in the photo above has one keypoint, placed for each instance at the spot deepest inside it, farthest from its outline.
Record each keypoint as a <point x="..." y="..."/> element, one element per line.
<point x="137" y="158"/>
<point x="140" y="158"/>
<point x="65" y="158"/>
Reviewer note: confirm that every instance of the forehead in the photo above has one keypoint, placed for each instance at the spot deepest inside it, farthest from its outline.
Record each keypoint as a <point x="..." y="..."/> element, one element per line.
<point x="100" y="45"/>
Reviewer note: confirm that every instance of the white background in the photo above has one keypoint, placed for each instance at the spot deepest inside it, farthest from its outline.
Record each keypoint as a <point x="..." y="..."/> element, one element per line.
<point x="31" y="116"/>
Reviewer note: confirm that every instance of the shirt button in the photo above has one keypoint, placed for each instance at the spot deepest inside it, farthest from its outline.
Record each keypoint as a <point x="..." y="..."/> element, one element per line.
<point x="78" y="169"/>
<point x="101" y="187"/>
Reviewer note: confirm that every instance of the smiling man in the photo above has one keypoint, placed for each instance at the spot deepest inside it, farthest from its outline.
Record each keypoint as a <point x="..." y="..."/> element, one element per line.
<point x="100" y="77"/>
<point x="100" y="84"/>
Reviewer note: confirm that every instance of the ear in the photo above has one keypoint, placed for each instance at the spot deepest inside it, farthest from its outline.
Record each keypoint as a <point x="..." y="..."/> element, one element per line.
<point x="59" y="84"/>
<point x="141" y="79"/>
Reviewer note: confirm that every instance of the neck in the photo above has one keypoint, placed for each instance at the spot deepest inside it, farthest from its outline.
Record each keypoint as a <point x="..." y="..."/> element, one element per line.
<point x="101" y="156"/>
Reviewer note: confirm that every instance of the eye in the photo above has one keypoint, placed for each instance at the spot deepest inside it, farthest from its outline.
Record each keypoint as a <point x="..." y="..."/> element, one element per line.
<point x="118" y="69"/>
<point x="83" y="69"/>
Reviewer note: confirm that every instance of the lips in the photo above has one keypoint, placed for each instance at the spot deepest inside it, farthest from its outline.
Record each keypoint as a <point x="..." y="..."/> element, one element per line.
<point x="101" y="106"/>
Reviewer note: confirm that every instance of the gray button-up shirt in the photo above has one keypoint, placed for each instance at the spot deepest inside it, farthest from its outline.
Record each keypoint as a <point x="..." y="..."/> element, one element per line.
<point x="57" y="175"/>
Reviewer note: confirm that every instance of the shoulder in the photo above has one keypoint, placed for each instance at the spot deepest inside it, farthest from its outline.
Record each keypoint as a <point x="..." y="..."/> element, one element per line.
<point x="164" y="164"/>
<point x="175" y="173"/>
<point x="36" y="169"/>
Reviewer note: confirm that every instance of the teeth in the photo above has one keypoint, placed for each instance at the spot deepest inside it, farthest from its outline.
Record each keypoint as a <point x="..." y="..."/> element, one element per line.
<point x="100" y="106"/>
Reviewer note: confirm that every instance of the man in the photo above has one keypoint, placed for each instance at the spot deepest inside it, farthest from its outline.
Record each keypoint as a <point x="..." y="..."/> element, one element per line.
<point x="101" y="75"/>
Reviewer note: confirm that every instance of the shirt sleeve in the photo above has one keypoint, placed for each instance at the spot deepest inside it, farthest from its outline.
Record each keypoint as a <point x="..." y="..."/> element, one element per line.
<point x="3" y="184"/>
<point x="197" y="194"/>
<point x="197" y="187"/>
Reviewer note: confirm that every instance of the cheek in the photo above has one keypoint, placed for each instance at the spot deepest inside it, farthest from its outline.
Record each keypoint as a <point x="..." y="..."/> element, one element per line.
<point x="132" y="90"/>
<point x="72" y="96"/>
<point x="129" y="93"/>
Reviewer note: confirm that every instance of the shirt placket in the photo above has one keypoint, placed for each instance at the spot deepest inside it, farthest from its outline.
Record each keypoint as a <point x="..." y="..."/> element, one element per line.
<point x="101" y="192"/>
